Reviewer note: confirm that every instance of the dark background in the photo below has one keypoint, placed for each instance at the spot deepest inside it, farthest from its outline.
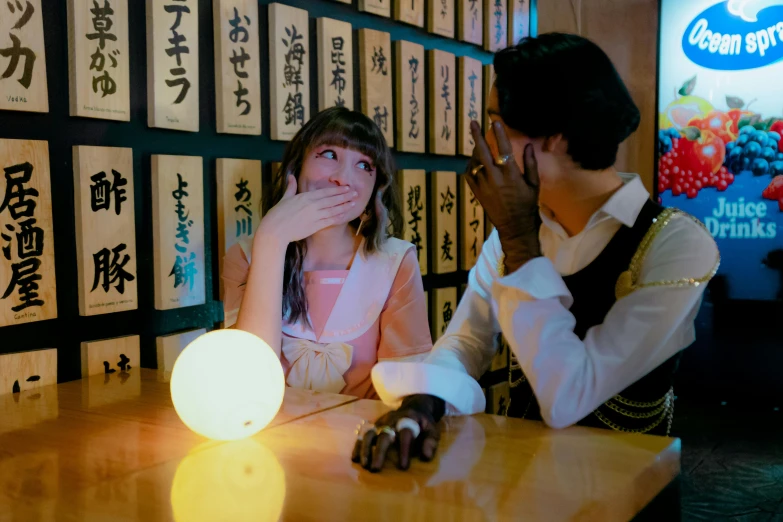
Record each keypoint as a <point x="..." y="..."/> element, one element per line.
<point x="62" y="132"/>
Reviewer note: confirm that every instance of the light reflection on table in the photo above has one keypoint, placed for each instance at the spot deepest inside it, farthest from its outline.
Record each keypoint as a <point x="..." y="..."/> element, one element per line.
<point x="97" y="450"/>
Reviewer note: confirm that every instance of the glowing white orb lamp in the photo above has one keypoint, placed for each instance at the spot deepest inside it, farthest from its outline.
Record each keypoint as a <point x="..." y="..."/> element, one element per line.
<point x="227" y="385"/>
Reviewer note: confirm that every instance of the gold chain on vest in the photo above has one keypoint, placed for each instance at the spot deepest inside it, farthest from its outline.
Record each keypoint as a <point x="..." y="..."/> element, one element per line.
<point x="513" y="364"/>
<point x="627" y="283"/>
<point x="629" y="280"/>
<point x="665" y="411"/>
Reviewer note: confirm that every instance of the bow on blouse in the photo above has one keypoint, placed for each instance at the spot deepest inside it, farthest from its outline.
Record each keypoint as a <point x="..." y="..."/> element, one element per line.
<point x="318" y="367"/>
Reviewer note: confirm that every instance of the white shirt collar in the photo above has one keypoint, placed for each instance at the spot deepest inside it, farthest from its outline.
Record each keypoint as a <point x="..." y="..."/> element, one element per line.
<point x="624" y="205"/>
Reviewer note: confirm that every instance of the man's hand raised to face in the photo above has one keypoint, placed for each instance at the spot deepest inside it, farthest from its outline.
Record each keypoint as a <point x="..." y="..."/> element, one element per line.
<point x="509" y="197"/>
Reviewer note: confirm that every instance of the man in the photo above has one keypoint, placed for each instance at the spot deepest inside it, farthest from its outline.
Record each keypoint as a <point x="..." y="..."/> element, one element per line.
<point x="594" y="287"/>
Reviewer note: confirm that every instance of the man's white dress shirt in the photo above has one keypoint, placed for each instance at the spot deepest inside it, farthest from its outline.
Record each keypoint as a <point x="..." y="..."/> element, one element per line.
<point x="570" y="377"/>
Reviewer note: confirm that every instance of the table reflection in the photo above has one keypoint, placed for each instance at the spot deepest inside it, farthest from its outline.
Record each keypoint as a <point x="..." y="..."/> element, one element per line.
<point x="237" y="481"/>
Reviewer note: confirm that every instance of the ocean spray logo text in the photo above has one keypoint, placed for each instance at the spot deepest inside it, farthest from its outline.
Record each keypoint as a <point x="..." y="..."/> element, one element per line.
<point x="736" y="35"/>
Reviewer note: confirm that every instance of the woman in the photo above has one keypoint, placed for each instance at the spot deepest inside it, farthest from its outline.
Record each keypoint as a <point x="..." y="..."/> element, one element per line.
<point x="351" y="292"/>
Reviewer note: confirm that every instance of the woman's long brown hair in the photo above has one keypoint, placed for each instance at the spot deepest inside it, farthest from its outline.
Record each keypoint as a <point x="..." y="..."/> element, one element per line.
<point x="339" y="127"/>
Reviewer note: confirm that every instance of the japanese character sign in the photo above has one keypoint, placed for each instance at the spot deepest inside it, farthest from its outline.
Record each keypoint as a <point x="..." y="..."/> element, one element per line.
<point x="444" y="205"/>
<point x="20" y="372"/>
<point x="471" y="226"/>
<point x="27" y="284"/>
<point x="22" y="59"/>
<point x="411" y="97"/>
<point x="238" y="204"/>
<point x="471" y="101"/>
<point x="289" y="62"/>
<point x="410" y="12"/>
<point x="441" y="17"/>
<point x="98" y="61"/>
<point x="518" y="20"/>
<point x="178" y="234"/>
<point x="471" y="21"/>
<point x="376" y="80"/>
<point x="105" y="229"/>
<point x="335" y="64"/>
<point x="172" y="33"/>
<point x="496" y="25"/>
<point x="443" y="310"/>
<point x="413" y="190"/>
<point x="442" y="103"/>
<point x="377" y="7"/>
<point x="237" y="67"/>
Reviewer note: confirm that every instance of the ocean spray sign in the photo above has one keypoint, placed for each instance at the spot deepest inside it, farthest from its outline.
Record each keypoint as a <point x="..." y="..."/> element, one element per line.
<point x="736" y="35"/>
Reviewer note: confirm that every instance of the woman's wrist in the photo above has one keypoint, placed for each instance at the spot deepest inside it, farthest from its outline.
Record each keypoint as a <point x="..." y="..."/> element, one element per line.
<point x="269" y="242"/>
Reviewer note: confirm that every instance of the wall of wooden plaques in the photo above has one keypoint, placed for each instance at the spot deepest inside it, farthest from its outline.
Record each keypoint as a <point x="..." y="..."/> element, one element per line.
<point x="195" y="83"/>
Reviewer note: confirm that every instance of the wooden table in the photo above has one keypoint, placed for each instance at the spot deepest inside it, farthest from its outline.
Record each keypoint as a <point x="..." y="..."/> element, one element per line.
<point x="103" y="449"/>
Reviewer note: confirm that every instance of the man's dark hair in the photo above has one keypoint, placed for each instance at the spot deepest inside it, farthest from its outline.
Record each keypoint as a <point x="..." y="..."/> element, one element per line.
<point x="565" y="84"/>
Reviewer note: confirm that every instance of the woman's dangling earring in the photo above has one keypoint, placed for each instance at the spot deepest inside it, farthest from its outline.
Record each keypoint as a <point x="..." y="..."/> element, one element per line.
<point x="364" y="217"/>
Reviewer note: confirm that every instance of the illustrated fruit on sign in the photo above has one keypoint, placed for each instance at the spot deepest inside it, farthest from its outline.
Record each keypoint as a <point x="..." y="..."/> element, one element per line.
<point x="717" y="122"/>
<point x="704" y="151"/>
<point x="738" y="111"/>
<point x="775" y="189"/>
<point x="681" y="111"/>
<point x="760" y="166"/>
<point x="752" y="149"/>
<point x="736" y="115"/>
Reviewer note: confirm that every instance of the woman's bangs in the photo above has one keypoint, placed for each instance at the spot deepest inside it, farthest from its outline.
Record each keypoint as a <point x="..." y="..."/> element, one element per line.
<point x="353" y="135"/>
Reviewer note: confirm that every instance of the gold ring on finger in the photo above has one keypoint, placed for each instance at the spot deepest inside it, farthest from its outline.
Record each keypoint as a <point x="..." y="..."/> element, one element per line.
<point x="476" y="169"/>
<point x="502" y="160"/>
<point x="388" y="430"/>
<point x="363" y="429"/>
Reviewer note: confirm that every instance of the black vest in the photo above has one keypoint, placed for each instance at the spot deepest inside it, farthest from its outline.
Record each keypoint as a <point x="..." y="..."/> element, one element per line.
<point x="645" y="406"/>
